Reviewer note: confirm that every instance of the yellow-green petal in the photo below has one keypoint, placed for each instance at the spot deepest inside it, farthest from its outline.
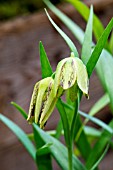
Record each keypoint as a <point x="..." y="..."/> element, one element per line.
<point x="82" y="76"/>
<point x="31" y="115"/>
<point x="43" y="85"/>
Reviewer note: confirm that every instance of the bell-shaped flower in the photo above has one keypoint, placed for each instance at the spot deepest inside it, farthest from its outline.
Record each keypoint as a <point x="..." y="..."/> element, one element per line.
<point x="42" y="102"/>
<point x="69" y="71"/>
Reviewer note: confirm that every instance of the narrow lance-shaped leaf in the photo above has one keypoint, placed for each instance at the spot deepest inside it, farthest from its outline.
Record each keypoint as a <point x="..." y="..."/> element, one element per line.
<point x="20" y="109"/>
<point x="64" y="119"/>
<point x="59" y="129"/>
<point x="87" y="43"/>
<point x="98" y="48"/>
<point x="58" y="150"/>
<point x="100" y="104"/>
<point x="84" y="149"/>
<point x="105" y="65"/>
<point x="92" y="132"/>
<point x="66" y="38"/>
<point x="73" y="27"/>
<point x="43" y="156"/>
<point x="84" y="11"/>
<point x="97" y="121"/>
<point x="100" y="158"/>
<point x="20" y="134"/>
<point x="45" y="64"/>
<point x="111" y="43"/>
<point x="99" y="146"/>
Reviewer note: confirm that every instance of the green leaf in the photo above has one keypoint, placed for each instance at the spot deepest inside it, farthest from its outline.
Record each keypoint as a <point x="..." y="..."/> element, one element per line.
<point x="20" y="109"/>
<point x="101" y="157"/>
<point x="66" y="38"/>
<point x="84" y="149"/>
<point x="74" y="121"/>
<point x="44" y="149"/>
<point x="97" y="121"/>
<point x="87" y="43"/>
<point x="64" y="119"/>
<point x="111" y="42"/>
<point x="98" y="48"/>
<point x="45" y="65"/>
<point x="74" y="28"/>
<point x="100" y="147"/>
<point x="58" y="150"/>
<point x="59" y="129"/>
<point x="43" y="156"/>
<point x="92" y="132"/>
<point x="44" y="162"/>
<point x="20" y="134"/>
<point x="105" y="65"/>
<point x="100" y="104"/>
<point x="84" y="11"/>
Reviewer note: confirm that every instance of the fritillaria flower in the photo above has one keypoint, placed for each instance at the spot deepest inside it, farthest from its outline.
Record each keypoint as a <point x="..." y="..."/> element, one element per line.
<point x="42" y="101"/>
<point x="70" y="74"/>
<point x="71" y="71"/>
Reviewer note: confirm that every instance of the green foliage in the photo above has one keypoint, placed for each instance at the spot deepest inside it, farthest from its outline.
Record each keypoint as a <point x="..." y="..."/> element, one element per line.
<point x="20" y="134"/>
<point x="75" y="132"/>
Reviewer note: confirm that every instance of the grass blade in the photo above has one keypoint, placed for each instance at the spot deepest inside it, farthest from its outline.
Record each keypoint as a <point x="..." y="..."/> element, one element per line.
<point x="74" y="28"/>
<point x="84" y="149"/>
<point x="58" y="150"/>
<point x="20" y="134"/>
<point x="101" y="157"/>
<point x="92" y="132"/>
<point x="98" y="28"/>
<point x="98" y="48"/>
<point x="45" y="64"/>
<point x="111" y="43"/>
<point x="87" y="43"/>
<point x="105" y="65"/>
<point x="100" y="104"/>
<point x="43" y="160"/>
<point x="66" y="38"/>
<point x="97" y="121"/>
<point x="64" y="119"/>
<point x="20" y="109"/>
<point x="100" y="147"/>
<point x="59" y="129"/>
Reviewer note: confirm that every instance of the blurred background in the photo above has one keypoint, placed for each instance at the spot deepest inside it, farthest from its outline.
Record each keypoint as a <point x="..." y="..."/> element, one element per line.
<point x="11" y="8"/>
<point x="22" y="25"/>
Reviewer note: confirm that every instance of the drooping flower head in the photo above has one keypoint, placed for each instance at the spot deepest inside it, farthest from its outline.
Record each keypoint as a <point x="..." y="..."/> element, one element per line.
<point x="42" y="101"/>
<point x="69" y="71"/>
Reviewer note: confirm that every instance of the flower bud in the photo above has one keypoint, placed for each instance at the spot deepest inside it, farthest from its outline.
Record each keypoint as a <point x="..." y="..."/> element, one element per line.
<point x="65" y="74"/>
<point x="69" y="71"/>
<point x="41" y="101"/>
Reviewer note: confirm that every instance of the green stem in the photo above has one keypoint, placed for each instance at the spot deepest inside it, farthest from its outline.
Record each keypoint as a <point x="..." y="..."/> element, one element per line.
<point x="67" y="135"/>
<point x="70" y="153"/>
<point x="73" y="126"/>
